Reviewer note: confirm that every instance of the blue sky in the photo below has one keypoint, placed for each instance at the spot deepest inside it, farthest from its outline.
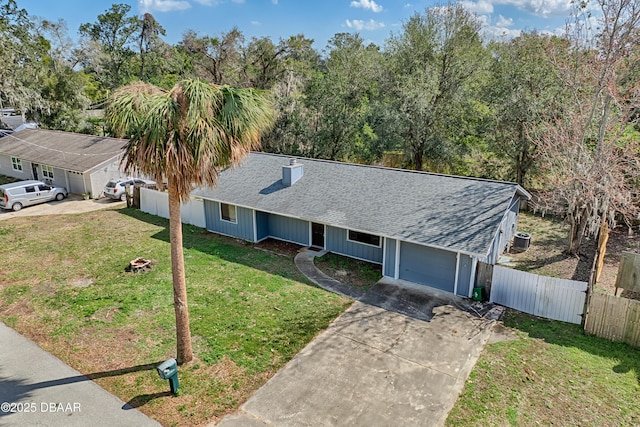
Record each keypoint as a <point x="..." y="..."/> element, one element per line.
<point x="375" y="20"/>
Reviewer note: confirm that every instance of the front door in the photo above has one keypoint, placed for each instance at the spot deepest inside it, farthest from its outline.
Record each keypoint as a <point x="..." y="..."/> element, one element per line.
<point x="317" y="235"/>
<point x="34" y="169"/>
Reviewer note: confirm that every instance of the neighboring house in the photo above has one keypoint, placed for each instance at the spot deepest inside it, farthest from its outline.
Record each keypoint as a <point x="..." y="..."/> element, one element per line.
<point x="13" y="123"/>
<point x="81" y="163"/>
<point x="424" y="228"/>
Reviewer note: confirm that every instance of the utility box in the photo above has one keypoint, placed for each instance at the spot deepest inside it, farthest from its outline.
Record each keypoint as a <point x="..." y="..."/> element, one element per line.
<point x="168" y="370"/>
<point x="478" y="293"/>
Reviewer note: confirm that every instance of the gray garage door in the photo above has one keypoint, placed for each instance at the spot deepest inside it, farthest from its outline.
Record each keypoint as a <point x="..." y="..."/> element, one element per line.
<point x="427" y="266"/>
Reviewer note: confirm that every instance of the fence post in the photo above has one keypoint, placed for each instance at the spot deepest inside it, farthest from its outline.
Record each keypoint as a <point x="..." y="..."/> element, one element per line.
<point x="589" y="291"/>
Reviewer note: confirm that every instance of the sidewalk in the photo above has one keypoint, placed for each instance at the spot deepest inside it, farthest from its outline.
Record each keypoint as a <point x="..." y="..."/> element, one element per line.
<point x="36" y="388"/>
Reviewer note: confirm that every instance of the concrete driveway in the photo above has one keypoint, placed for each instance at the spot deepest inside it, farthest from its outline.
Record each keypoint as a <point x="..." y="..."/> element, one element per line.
<point x="372" y="367"/>
<point x="71" y="205"/>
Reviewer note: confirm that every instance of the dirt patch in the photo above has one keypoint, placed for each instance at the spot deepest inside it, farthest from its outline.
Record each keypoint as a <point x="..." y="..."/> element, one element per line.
<point x="278" y="247"/>
<point x="500" y="333"/>
<point x="82" y="282"/>
<point x="546" y="253"/>
<point x="619" y="241"/>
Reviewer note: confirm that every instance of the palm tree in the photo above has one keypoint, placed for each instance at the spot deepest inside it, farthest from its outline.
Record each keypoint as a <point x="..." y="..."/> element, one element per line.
<point x="183" y="137"/>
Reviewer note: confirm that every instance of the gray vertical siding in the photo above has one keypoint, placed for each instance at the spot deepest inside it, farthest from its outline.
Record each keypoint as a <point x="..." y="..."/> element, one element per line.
<point x="464" y="274"/>
<point x="6" y="168"/>
<point x="507" y="230"/>
<point x="336" y="241"/>
<point x="76" y="182"/>
<point x="243" y="229"/>
<point x="390" y="257"/>
<point x="289" y="229"/>
<point x="59" y="177"/>
<point x="262" y="224"/>
<point x="100" y="175"/>
<point x="428" y="266"/>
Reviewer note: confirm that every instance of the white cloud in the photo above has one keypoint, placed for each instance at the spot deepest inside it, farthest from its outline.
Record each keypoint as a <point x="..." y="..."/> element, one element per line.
<point x="274" y="2"/>
<point x="209" y="2"/>
<point x="500" y="30"/>
<point x="369" y="25"/>
<point x="544" y="8"/>
<point x="481" y="7"/>
<point x="256" y="23"/>
<point x="500" y="33"/>
<point x="367" y="4"/>
<point x="504" y="22"/>
<point x="147" y="6"/>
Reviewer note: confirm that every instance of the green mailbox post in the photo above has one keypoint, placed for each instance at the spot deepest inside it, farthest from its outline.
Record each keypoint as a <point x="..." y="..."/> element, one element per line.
<point x="168" y="370"/>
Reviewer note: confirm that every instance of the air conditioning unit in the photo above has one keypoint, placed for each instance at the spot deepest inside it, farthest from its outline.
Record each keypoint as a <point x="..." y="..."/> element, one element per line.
<point x="521" y="241"/>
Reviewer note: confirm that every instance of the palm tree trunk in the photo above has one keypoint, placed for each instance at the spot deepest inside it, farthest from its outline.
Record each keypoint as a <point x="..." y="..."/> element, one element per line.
<point x="183" y="331"/>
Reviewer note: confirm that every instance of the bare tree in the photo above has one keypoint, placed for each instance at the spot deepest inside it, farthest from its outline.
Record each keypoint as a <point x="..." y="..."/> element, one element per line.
<point x="590" y="167"/>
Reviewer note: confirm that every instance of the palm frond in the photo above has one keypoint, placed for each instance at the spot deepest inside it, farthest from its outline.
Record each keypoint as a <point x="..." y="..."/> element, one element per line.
<point x="190" y="132"/>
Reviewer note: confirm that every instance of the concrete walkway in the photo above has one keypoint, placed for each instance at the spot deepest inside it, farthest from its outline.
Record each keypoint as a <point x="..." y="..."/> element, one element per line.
<point x="37" y="389"/>
<point x="374" y="365"/>
<point x="304" y="262"/>
<point x="399" y="296"/>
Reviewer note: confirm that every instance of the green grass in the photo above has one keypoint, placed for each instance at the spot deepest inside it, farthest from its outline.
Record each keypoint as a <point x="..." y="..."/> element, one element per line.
<point x="546" y="255"/>
<point x="350" y="271"/>
<point x="552" y="375"/>
<point x="64" y="285"/>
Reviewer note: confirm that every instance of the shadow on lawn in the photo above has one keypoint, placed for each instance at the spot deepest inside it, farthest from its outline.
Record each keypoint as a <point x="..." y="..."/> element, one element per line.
<point x="570" y="335"/>
<point x="227" y="248"/>
<point x="143" y="399"/>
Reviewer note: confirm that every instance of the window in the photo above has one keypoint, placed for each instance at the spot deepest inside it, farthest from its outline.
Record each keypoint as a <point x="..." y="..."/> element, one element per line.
<point x="228" y="213"/>
<point x="367" y="239"/>
<point x="16" y="163"/>
<point x="47" y="171"/>
<point x="30" y="189"/>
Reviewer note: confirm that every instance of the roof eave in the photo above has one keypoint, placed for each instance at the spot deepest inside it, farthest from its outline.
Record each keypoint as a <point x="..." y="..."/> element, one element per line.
<point x="522" y="192"/>
<point x="387" y="236"/>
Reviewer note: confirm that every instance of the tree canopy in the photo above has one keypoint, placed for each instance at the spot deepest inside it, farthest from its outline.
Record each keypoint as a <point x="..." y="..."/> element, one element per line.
<point x="548" y="112"/>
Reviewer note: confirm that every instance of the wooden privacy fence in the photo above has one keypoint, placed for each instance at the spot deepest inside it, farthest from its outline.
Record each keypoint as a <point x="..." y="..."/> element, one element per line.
<point x="614" y="318"/>
<point x="549" y="297"/>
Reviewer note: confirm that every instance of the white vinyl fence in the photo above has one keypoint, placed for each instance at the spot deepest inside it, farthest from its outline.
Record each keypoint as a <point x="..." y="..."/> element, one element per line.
<point x="157" y="203"/>
<point x="543" y="296"/>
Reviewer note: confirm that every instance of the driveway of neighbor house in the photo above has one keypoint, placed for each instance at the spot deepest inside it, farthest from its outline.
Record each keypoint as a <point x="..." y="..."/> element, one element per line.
<point x="71" y="205"/>
<point x="373" y="367"/>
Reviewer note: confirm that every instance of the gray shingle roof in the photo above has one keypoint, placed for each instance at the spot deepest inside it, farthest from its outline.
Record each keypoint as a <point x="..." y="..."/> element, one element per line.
<point x="457" y="213"/>
<point x="12" y="121"/>
<point x="65" y="150"/>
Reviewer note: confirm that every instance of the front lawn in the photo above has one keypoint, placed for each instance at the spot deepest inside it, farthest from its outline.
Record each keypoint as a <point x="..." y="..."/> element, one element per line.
<point x="64" y="286"/>
<point x="353" y="272"/>
<point x="552" y="374"/>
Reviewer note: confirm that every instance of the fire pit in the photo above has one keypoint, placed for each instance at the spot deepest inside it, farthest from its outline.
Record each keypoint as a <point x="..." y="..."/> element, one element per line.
<point x="139" y="264"/>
